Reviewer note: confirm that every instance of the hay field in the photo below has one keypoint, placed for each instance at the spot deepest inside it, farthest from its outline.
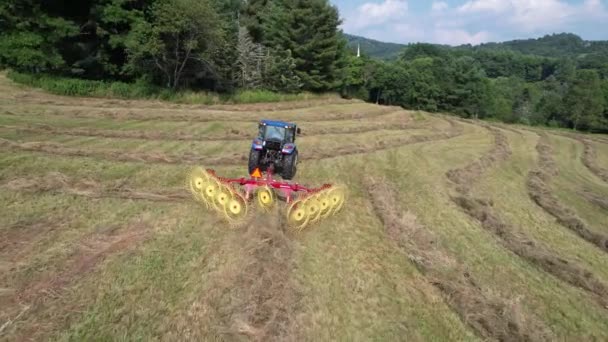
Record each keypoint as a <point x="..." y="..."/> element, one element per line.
<point x="453" y="229"/>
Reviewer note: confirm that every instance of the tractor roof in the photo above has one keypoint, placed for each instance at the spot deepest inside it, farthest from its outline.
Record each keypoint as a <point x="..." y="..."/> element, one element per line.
<point x="276" y="123"/>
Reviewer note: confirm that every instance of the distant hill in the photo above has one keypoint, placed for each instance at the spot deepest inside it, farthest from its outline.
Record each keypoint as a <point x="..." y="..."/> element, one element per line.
<point x="555" y="45"/>
<point x="374" y="48"/>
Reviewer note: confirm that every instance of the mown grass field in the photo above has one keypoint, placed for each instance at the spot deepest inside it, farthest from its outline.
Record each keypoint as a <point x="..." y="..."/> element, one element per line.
<point x="453" y="229"/>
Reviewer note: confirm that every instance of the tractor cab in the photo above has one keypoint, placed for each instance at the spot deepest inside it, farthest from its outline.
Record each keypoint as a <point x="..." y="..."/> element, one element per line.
<point x="277" y="131"/>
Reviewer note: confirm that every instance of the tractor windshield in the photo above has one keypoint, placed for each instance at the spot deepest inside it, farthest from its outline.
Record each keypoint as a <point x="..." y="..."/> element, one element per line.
<point x="273" y="133"/>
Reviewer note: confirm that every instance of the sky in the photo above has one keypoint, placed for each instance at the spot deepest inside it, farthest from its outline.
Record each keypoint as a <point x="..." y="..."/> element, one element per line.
<point x="456" y="22"/>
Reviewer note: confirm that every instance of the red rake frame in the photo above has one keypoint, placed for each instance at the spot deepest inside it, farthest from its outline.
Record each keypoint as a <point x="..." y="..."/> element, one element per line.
<point x="251" y="184"/>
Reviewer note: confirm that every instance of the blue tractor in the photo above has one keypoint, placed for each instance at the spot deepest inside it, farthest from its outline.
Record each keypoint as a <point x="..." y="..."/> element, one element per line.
<point x="274" y="149"/>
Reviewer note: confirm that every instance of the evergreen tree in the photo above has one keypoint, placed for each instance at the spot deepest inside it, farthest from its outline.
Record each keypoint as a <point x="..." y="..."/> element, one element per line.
<point x="309" y="29"/>
<point x="32" y="36"/>
<point x="280" y="73"/>
<point x="254" y="15"/>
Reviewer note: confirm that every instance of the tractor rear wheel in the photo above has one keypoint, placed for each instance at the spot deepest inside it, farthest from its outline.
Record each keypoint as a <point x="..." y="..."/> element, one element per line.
<point x="254" y="160"/>
<point x="290" y="166"/>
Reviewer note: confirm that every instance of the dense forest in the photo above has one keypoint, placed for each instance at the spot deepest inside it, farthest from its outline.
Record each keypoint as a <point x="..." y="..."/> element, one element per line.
<point x="495" y="82"/>
<point x="290" y="46"/>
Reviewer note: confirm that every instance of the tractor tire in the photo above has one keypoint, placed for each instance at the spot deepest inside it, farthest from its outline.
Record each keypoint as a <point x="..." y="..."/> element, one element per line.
<point x="290" y="166"/>
<point x="254" y="160"/>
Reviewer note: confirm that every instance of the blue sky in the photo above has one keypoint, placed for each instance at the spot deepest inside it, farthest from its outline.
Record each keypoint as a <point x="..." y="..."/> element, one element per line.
<point x="457" y="22"/>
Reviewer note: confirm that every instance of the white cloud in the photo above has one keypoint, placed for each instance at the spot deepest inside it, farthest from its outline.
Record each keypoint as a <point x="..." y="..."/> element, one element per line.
<point x="439" y="6"/>
<point x="531" y="16"/>
<point x="474" y="21"/>
<point x="374" y="14"/>
<point x="472" y="6"/>
<point x="459" y="37"/>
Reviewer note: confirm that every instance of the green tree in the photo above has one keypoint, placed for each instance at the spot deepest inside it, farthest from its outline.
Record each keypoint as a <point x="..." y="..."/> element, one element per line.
<point x="353" y="80"/>
<point x="280" y="73"/>
<point x="177" y="42"/>
<point x="309" y="29"/>
<point x="584" y="101"/>
<point x="32" y="36"/>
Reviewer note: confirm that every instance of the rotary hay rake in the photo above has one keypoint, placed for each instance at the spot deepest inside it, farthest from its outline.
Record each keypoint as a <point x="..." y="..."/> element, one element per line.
<point x="304" y="206"/>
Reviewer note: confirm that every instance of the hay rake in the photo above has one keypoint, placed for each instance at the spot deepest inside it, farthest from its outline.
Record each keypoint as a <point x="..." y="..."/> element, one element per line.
<point x="304" y="206"/>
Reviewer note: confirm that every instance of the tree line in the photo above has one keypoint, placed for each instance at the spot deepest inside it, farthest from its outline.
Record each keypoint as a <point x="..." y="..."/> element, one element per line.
<point x="486" y="83"/>
<point x="290" y="46"/>
<point x="219" y="45"/>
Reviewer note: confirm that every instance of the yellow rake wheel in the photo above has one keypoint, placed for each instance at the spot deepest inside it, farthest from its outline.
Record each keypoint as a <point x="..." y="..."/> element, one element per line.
<point x="297" y="215"/>
<point x="197" y="181"/>
<point x="222" y="197"/>
<point x="210" y="194"/>
<point x="266" y="198"/>
<point x="313" y="209"/>
<point x="324" y="204"/>
<point x="236" y="208"/>
<point x="337" y="198"/>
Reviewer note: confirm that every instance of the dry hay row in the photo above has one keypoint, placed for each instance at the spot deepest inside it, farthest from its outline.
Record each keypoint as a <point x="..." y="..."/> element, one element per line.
<point x="598" y="200"/>
<point x="42" y="99"/>
<point x="540" y="191"/>
<point x="89" y="252"/>
<point x="466" y="176"/>
<point x="144" y="115"/>
<point x="56" y="182"/>
<point x="226" y="160"/>
<point x="589" y="159"/>
<point x="491" y="316"/>
<point x="231" y="135"/>
<point x="253" y="295"/>
<point x="513" y="238"/>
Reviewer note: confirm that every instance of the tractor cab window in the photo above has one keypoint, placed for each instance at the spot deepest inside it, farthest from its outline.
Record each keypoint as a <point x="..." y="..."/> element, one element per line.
<point x="289" y="135"/>
<point x="274" y="133"/>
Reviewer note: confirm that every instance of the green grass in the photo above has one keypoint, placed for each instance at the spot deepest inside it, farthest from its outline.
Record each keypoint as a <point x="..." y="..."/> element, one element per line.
<point x="191" y="276"/>
<point x="141" y="90"/>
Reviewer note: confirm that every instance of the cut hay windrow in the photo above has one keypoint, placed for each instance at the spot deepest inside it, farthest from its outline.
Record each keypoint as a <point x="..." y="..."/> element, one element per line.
<point x="491" y="316"/>
<point x="58" y="183"/>
<point x="230" y="135"/>
<point x="47" y="99"/>
<point x="590" y="161"/>
<point x="597" y="200"/>
<point x="225" y="160"/>
<point x="167" y="115"/>
<point x="541" y="193"/>
<point x="512" y="238"/>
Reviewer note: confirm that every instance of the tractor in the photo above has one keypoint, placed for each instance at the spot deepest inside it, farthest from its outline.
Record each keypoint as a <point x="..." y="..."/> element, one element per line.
<point x="273" y="150"/>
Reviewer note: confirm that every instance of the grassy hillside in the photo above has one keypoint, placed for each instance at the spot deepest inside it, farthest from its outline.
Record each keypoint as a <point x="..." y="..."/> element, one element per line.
<point x="453" y="229"/>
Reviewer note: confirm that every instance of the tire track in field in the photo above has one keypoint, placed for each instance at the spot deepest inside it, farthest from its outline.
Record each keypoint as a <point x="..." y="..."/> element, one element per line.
<point x="513" y="238"/>
<point x="489" y="315"/>
<point x="225" y="160"/>
<point x="540" y="192"/>
<point x="218" y="116"/>
<point x="231" y="135"/>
